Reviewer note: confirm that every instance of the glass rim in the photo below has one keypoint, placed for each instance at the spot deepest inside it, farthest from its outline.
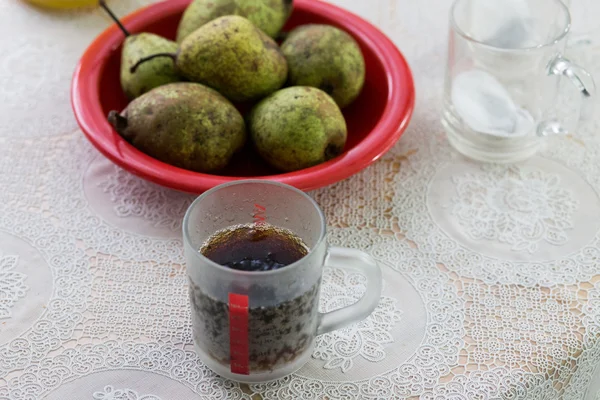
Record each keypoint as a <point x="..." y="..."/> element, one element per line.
<point x="562" y="35"/>
<point x="187" y="240"/>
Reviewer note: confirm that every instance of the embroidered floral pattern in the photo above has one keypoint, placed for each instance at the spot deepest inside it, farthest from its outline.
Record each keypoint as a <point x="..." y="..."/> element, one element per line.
<point x="514" y="206"/>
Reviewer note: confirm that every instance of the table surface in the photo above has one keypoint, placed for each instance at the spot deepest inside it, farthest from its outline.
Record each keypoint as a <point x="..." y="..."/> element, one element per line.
<point x="491" y="272"/>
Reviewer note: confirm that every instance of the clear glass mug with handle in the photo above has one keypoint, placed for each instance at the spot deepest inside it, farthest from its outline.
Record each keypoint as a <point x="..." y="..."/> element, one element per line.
<point x="507" y="80"/>
<point x="584" y="40"/>
<point x="257" y="326"/>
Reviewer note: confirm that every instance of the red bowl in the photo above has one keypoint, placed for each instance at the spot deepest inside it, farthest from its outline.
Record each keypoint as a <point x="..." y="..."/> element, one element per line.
<point x="375" y="120"/>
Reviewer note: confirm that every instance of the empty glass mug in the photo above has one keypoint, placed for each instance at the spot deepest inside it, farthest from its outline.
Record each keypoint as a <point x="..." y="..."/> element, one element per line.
<point x="504" y="87"/>
<point x="253" y="326"/>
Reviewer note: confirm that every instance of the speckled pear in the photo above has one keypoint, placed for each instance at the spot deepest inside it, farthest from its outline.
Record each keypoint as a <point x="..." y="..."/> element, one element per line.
<point x="234" y="57"/>
<point x="151" y="74"/>
<point x="327" y="58"/>
<point x="184" y="124"/>
<point x="268" y="15"/>
<point x="297" y="127"/>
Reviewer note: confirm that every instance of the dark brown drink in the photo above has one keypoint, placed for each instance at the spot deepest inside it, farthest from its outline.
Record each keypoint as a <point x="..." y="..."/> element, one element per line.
<point x="256" y="247"/>
<point x="277" y="334"/>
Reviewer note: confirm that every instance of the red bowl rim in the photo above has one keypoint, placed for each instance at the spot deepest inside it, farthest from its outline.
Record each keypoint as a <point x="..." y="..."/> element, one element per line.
<point x="393" y="122"/>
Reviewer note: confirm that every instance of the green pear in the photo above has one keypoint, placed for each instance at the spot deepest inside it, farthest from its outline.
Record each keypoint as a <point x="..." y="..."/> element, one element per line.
<point x="297" y="127"/>
<point x="151" y="74"/>
<point x="234" y="57"/>
<point x="327" y="58"/>
<point x="184" y="124"/>
<point x="268" y="15"/>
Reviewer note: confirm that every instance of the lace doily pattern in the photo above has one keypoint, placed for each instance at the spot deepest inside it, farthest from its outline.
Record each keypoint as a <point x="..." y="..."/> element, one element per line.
<point x="67" y="200"/>
<point x="483" y="223"/>
<point x="25" y="291"/>
<point x="110" y="393"/>
<point x="64" y="311"/>
<point x="19" y="193"/>
<point x="513" y="206"/>
<point x="183" y="366"/>
<point x="367" y="338"/>
<point x="134" y="197"/>
<point x="524" y="327"/>
<point x="363" y="200"/>
<point x="12" y="285"/>
<point x="495" y="384"/>
<point x="585" y="382"/>
<point x="138" y="300"/>
<point x="533" y="330"/>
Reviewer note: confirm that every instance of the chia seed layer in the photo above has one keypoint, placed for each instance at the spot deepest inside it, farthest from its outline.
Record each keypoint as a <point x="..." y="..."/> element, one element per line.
<point x="277" y="334"/>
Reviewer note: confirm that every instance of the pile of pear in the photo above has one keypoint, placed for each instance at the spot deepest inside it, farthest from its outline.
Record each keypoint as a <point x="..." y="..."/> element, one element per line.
<point x="182" y="93"/>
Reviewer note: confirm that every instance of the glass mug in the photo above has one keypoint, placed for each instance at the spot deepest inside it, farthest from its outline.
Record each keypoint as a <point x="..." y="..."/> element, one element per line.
<point x="584" y="39"/>
<point x="253" y="326"/>
<point x="503" y="88"/>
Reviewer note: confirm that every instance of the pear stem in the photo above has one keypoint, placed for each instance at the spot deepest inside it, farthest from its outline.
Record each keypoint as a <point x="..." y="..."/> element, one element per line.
<point x="153" y="56"/>
<point x="114" y="18"/>
<point x="118" y="121"/>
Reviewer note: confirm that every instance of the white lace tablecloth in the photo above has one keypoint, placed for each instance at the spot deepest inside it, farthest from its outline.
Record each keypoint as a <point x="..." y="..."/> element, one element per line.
<point x="491" y="273"/>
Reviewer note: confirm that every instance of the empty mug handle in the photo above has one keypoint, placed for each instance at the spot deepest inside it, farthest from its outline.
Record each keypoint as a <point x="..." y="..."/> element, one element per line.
<point x="578" y="76"/>
<point x="356" y="261"/>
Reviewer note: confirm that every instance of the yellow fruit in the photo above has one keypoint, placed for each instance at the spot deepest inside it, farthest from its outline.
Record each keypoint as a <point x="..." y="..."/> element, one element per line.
<point x="64" y="3"/>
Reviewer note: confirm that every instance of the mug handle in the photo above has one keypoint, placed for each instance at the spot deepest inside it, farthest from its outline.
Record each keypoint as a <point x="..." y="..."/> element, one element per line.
<point x="580" y="78"/>
<point x="358" y="261"/>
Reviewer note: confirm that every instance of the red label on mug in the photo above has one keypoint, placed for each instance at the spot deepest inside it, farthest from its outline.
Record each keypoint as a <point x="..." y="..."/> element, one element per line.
<point x="238" y="334"/>
<point x="260" y="216"/>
